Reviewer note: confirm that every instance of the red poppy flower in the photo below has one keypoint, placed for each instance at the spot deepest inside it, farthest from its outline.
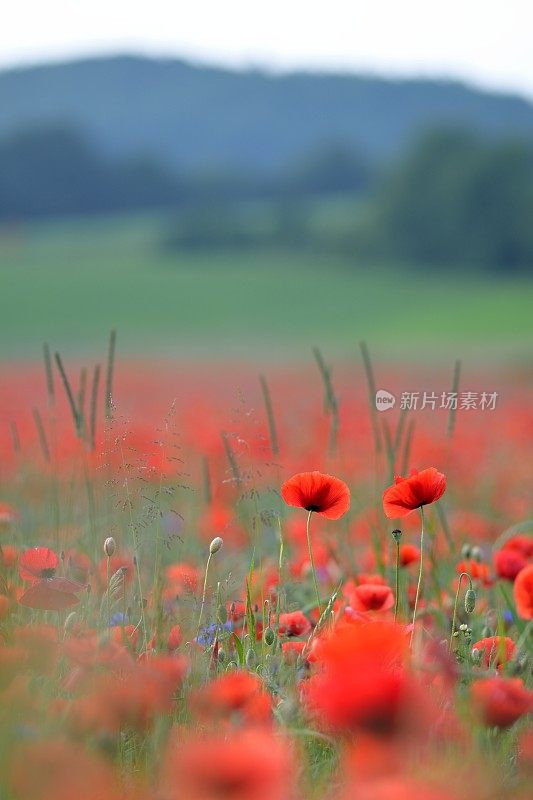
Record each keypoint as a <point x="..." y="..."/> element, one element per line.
<point x="252" y="764"/>
<point x="523" y="592"/>
<point x="52" y="594"/>
<point x="175" y="638"/>
<point x="237" y="692"/>
<point x="501" y="701"/>
<point x="294" y="623"/>
<point x="317" y="492"/>
<point x="496" y="650"/>
<point x="407" y="494"/>
<point x="291" y="650"/>
<point x="372" y="597"/>
<point x="508" y="562"/>
<point x="37" y="563"/>
<point x="363" y="684"/>
<point x="409" y="554"/>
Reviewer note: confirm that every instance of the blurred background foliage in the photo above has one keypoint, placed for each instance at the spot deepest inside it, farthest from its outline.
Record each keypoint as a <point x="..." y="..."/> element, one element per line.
<point x="123" y="180"/>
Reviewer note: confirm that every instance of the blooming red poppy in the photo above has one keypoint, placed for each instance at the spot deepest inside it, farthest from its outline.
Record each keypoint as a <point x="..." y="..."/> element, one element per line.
<point x="37" y="563"/>
<point x="501" y="701"/>
<point x="294" y="623"/>
<point x="317" y="492"/>
<point x="523" y="592"/>
<point x="407" y="494"/>
<point x="496" y="650"/>
<point x="372" y="597"/>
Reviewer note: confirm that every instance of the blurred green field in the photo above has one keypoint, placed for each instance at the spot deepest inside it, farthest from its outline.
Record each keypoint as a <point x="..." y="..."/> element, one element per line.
<point x="69" y="283"/>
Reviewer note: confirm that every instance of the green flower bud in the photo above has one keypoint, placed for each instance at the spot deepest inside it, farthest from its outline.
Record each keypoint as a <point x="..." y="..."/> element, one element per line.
<point x="470" y="601"/>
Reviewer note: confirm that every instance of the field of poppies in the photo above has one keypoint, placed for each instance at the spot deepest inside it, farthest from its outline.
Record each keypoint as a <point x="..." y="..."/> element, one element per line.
<point x="231" y="582"/>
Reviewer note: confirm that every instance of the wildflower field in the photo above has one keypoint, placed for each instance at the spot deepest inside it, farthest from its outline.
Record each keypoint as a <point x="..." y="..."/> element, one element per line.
<point x="224" y="582"/>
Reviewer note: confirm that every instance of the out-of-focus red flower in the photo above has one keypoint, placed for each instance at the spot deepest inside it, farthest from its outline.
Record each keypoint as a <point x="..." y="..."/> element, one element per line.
<point x="235" y="693"/>
<point x="252" y="764"/>
<point x="37" y="563"/>
<point x="496" y="650"/>
<point x="522" y="543"/>
<point x="523" y="592"/>
<point x="294" y="623"/>
<point x="408" y="494"/>
<point x="8" y="515"/>
<point x="372" y="597"/>
<point x="409" y="554"/>
<point x="508" y="562"/>
<point x="501" y="701"/>
<point x="8" y="556"/>
<point x="362" y="681"/>
<point x="175" y="638"/>
<point x="366" y="577"/>
<point x="52" y="594"/>
<point x="314" y="491"/>
<point x="125" y="634"/>
<point x="58" y="769"/>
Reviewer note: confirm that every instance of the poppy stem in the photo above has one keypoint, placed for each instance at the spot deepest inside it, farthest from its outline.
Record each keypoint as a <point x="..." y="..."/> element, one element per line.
<point x="202" y="604"/>
<point x="313" y="563"/>
<point x="397" y="586"/>
<point x="420" y="571"/>
<point x="461" y="576"/>
<point x="108" y="599"/>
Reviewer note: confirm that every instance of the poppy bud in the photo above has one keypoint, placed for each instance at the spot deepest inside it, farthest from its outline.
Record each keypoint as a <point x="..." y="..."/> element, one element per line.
<point x="476" y="553"/>
<point x="269" y="636"/>
<point x="477" y="655"/>
<point x="215" y="545"/>
<point x="221" y="655"/>
<point x="250" y="659"/>
<point x="470" y="601"/>
<point x="109" y="546"/>
<point x="222" y="614"/>
<point x="466" y="551"/>
<point x="397" y="535"/>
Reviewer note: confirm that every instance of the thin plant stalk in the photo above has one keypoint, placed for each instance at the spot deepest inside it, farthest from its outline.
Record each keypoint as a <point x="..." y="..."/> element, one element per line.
<point x="204" y="592"/>
<point x="420" y="572"/>
<point x="461" y="576"/>
<point x="313" y="562"/>
<point x="397" y="585"/>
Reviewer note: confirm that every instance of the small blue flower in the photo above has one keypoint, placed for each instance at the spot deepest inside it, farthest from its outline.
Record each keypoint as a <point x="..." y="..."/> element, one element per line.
<point x="508" y="616"/>
<point x="118" y="619"/>
<point x="207" y="635"/>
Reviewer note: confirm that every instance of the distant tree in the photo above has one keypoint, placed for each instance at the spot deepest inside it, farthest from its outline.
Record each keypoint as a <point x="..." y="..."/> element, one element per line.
<point x="54" y="170"/>
<point x="456" y="201"/>
<point x="332" y="169"/>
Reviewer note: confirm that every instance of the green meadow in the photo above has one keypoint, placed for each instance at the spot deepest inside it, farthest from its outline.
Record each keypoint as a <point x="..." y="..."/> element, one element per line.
<point x="70" y="282"/>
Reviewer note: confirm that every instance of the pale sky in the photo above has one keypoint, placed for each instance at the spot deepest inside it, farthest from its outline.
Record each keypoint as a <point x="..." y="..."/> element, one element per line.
<point x="486" y="42"/>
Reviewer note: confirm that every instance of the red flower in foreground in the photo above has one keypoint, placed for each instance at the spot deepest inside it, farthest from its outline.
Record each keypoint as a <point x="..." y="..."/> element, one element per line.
<point x="501" y="701"/>
<point x="37" y="563"/>
<point x="407" y="494"/>
<point x="250" y="765"/>
<point x="317" y="492"/>
<point x="496" y="650"/>
<point x="523" y="592"/>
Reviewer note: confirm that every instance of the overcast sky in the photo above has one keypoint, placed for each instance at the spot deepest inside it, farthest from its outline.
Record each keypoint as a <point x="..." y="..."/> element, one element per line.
<point x="487" y="42"/>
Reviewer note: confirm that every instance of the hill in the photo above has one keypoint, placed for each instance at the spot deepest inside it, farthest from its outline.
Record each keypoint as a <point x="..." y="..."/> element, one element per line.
<point x="202" y="117"/>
